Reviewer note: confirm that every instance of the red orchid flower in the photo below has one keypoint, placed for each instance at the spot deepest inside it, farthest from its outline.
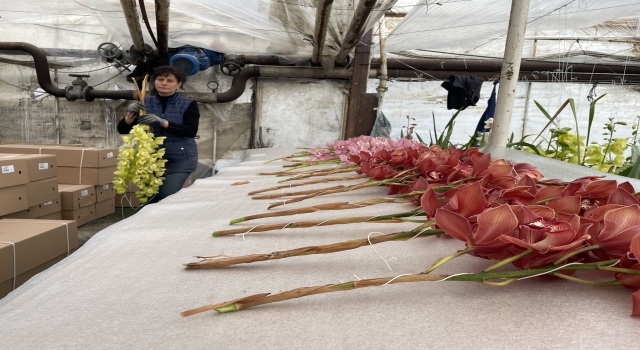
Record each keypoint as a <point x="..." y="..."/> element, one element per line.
<point x="484" y="236"/>
<point x="468" y="201"/>
<point x="569" y="205"/>
<point x="620" y="227"/>
<point x="548" y="192"/>
<point x="543" y="237"/>
<point x="622" y="197"/>
<point x="430" y="202"/>
<point x="524" y="169"/>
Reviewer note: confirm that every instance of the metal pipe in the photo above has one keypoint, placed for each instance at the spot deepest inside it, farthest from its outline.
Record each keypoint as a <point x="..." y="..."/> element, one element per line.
<point x="624" y="39"/>
<point x="323" y="11"/>
<point x="40" y="63"/>
<point x="56" y="106"/>
<point x="633" y="79"/>
<point x="356" y="28"/>
<point x="133" y="23"/>
<point x="495" y="65"/>
<point x="510" y="73"/>
<point x="162" y="29"/>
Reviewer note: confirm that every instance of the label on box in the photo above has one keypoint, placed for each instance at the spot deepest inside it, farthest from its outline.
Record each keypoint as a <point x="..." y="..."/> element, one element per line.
<point x="105" y="187"/>
<point x="110" y="155"/>
<point x="7" y="169"/>
<point x="84" y="193"/>
<point x="47" y="203"/>
<point x="43" y="166"/>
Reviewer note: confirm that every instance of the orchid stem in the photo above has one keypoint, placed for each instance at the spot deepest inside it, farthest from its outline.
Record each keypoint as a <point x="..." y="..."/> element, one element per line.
<point x="591" y="283"/>
<point x="500" y="284"/>
<point x="441" y="261"/>
<point x="576" y="252"/>
<point x="619" y="269"/>
<point x="509" y="260"/>
<point x="543" y="201"/>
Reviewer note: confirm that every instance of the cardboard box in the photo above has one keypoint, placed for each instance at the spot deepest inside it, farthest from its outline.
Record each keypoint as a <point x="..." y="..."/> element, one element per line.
<point x="38" y="210"/>
<point x="36" y="242"/>
<point x="13" y="170"/>
<point x="104" y="192"/>
<point x="42" y="191"/>
<point x="82" y="215"/>
<point x="53" y="216"/>
<point x="41" y="166"/>
<point x="7" y="286"/>
<point x="70" y="156"/>
<point x="13" y="199"/>
<point x="105" y="208"/>
<point x="77" y="196"/>
<point x="127" y="200"/>
<point x="86" y="176"/>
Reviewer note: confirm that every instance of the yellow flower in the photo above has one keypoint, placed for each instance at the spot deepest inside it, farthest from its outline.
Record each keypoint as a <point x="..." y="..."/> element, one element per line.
<point x="618" y="146"/>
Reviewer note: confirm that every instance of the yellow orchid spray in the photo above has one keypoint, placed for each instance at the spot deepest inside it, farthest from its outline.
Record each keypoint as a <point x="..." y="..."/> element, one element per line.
<point x="140" y="161"/>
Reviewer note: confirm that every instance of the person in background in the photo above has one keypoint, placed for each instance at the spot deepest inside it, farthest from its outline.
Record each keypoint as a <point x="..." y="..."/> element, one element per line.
<point x="173" y="116"/>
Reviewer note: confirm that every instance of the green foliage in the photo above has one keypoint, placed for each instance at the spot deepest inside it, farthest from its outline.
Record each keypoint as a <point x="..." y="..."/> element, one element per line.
<point x="563" y="145"/>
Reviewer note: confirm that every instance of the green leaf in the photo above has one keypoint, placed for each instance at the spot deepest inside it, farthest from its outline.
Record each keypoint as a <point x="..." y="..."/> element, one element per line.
<point x="635" y="169"/>
<point x="592" y="114"/>
<point x="575" y="117"/>
<point x="525" y="144"/>
<point x="448" y="129"/>
<point x="419" y="138"/>
<point x="544" y="111"/>
<point x="550" y="119"/>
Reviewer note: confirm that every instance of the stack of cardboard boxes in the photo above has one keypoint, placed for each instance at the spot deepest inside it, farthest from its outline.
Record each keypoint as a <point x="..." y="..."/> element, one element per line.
<point x="28" y="247"/>
<point x="89" y="170"/>
<point x="29" y="187"/>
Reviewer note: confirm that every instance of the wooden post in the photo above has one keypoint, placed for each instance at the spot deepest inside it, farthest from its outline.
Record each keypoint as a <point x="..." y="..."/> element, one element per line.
<point x="359" y="120"/>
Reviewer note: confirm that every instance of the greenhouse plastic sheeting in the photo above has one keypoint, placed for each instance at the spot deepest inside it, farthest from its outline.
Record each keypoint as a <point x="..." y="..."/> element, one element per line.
<point x="229" y="26"/>
<point x="470" y="27"/>
<point x="126" y="286"/>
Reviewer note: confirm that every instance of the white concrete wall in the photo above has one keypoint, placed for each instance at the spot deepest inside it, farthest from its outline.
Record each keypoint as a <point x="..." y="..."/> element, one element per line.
<point x="299" y="112"/>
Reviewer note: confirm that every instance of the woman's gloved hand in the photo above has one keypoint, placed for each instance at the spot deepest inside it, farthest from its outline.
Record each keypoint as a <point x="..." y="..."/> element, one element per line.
<point x="135" y="107"/>
<point x="150" y="119"/>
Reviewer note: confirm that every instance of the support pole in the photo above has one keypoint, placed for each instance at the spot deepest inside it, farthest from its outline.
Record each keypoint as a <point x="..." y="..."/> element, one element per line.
<point x="528" y="96"/>
<point x="510" y="73"/>
<point x="356" y="28"/>
<point x="133" y="23"/>
<point x="162" y="29"/>
<point x="56" y="106"/>
<point x="382" y="86"/>
<point x="323" y="11"/>
<point x="360" y="119"/>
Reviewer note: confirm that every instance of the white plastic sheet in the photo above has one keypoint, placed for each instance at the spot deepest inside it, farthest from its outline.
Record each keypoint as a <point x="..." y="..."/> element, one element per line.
<point x="230" y="26"/>
<point x="477" y="26"/>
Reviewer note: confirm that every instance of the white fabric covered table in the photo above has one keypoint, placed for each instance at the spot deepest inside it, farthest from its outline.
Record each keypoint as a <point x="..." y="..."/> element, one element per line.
<point x="126" y="286"/>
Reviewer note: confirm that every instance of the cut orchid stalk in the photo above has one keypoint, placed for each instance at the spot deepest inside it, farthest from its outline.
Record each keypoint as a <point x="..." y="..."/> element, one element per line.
<point x="482" y="277"/>
<point x="297" y="193"/>
<point x="308" y="174"/>
<point x="295" y="155"/>
<point x="319" y="207"/>
<point x="329" y="179"/>
<point x="345" y="189"/>
<point x="224" y="261"/>
<point x="308" y="192"/>
<point x="386" y="219"/>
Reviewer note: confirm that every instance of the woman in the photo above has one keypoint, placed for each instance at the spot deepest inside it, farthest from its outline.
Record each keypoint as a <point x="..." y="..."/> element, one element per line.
<point x="173" y="116"/>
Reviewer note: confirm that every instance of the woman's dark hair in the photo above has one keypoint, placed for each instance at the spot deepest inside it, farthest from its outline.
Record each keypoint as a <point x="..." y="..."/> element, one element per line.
<point x="164" y="71"/>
